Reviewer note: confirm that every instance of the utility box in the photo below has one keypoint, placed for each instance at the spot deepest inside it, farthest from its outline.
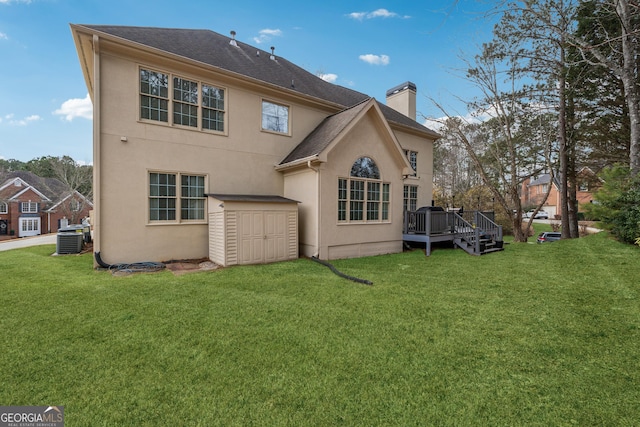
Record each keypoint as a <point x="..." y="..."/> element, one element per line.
<point x="70" y="239"/>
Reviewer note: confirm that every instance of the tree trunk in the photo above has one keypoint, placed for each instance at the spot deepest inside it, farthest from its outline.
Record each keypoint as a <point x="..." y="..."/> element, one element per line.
<point x="563" y="152"/>
<point x="629" y="80"/>
<point x="572" y="197"/>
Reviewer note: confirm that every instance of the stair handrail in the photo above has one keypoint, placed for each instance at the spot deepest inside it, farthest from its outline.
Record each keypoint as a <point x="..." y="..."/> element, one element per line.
<point x="488" y="226"/>
<point x="467" y="232"/>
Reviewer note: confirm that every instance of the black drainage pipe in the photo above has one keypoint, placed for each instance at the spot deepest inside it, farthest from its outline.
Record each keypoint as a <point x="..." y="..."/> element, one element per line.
<point x="341" y="274"/>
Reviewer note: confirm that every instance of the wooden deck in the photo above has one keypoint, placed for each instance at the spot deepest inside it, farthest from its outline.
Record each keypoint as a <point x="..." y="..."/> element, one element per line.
<point x="475" y="232"/>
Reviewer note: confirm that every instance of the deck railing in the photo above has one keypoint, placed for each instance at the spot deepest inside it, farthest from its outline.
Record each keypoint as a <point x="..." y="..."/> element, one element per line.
<point x="441" y="222"/>
<point x="467" y="232"/>
<point x="428" y="222"/>
<point x="484" y="221"/>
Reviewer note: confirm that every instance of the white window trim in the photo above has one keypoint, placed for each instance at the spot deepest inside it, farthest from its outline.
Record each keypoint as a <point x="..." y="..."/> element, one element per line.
<point x="4" y="208"/>
<point x="406" y="202"/>
<point x="75" y="205"/>
<point x="365" y="202"/>
<point x="170" y="101"/>
<point x="407" y="154"/>
<point x="287" y="106"/>
<point x="178" y="220"/>
<point x="29" y="205"/>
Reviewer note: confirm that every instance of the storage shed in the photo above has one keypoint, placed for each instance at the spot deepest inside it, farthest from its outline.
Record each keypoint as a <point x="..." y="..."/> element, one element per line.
<point x="252" y="229"/>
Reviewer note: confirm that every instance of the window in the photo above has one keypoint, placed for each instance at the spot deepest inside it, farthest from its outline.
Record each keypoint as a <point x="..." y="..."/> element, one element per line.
<point x="212" y="108"/>
<point x="412" y="156"/>
<point x="356" y="206"/>
<point x="162" y="197"/>
<point x="363" y="197"/>
<point x="410" y="200"/>
<point x="4" y="208"/>
<point x="164" y="193"/>
<point x="30" y="224"/>
<point x="194" y="104"/>
<point x="29" y="207"/>
<point x="342" y="199"/>
<point x="74" y="205"/>
<point x="185" y="102"/>
<point x="154" y="96"/>
<point x="192" y="197"/>
<point x="275" y="117"/>
<point x="386" y="187"/>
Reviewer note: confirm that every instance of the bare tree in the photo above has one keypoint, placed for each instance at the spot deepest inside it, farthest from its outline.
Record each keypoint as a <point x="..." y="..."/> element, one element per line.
<point x="77" y="180"/>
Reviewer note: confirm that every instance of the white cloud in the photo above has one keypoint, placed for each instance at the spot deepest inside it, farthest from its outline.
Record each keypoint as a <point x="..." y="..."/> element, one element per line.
<point x="266" y="35"/>
<point x="11" y="120"/>
<point x="3" y="36"/>
<point x="76" y="107"/>
<point x="378" y="13"/>
<point x="330" y="77"/>
<point x="358" y="15"/>
<point x="375" y="59"/>
<point x="14" y="1"/>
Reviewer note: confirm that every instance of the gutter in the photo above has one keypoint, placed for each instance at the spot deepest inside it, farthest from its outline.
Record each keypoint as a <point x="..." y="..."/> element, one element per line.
<point x="300" y="162"/>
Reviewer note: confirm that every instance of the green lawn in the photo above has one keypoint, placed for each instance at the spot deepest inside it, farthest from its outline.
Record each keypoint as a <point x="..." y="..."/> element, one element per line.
<point x="545" y="335"/>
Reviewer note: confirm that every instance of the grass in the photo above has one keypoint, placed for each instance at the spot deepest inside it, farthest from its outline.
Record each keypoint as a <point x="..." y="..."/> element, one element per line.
<point x="534" y="335"/>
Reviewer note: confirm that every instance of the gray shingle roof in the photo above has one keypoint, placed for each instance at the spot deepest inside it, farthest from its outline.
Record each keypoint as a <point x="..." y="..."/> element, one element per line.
<point x="214" y="49"/>
<point x="52" y="188"/>
<point x="324" y="134"/>
<point x="542" y="179"/>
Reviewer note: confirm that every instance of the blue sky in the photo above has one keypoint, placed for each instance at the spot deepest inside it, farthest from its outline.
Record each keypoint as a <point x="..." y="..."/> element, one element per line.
<point x="369" y="46"/>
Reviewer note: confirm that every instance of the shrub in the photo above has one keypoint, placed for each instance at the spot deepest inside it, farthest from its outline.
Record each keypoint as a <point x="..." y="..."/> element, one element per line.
<point x="617" y="203"/>
<point x="626" y="222"/>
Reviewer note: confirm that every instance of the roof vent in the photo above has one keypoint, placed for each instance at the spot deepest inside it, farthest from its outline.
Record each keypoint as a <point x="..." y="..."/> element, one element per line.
<point x="272" y="57"/>
<point x="233" y="42"/>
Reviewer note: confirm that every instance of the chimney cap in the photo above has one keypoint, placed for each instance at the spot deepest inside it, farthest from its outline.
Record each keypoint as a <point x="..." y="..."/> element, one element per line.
<point x="404" y="86"/>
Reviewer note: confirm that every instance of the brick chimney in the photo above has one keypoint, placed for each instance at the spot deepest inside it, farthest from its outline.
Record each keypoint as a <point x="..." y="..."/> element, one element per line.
<point x="402" y="98"/>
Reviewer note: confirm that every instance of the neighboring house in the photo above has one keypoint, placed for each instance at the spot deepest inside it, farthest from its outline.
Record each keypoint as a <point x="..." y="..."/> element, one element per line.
<point x="31" y="205"/>
<point x="208" y="147"/>
<point x="534" y="191"/>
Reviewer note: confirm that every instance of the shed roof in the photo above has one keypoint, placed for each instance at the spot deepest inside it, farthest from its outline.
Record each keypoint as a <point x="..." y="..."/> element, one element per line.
<point x="254" y="198"/>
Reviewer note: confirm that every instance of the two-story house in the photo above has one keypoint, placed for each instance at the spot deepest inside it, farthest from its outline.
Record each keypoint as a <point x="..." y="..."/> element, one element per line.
<point x="31" y="205"/>
<point x="205" y="146"/>
<point x="535" y="189"/>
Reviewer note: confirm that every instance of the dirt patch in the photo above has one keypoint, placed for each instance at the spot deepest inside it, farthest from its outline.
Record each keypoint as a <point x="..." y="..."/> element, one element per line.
<point x="190" y="266"/>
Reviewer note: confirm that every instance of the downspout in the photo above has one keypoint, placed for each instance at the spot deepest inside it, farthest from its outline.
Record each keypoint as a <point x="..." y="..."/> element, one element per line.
<point x="318" y="209"/>
<point x="96" y="147"/>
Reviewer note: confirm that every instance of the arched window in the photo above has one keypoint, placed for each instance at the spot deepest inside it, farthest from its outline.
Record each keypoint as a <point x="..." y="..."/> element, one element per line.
<point x="363" y="197"/>
<point x="4" y="208"/>
<point x="365" y="167"/>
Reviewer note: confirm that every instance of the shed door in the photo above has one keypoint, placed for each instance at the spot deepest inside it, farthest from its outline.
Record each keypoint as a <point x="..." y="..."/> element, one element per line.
<point x="275" y="236"/>
<point x="262" y="237"/>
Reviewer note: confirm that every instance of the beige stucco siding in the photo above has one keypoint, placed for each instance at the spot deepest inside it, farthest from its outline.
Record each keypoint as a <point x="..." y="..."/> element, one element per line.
<point x="342" y="240"/>
<point x="424" y="178"/>
<point x="239" y="161"/>
<point x="302" y="185"/>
